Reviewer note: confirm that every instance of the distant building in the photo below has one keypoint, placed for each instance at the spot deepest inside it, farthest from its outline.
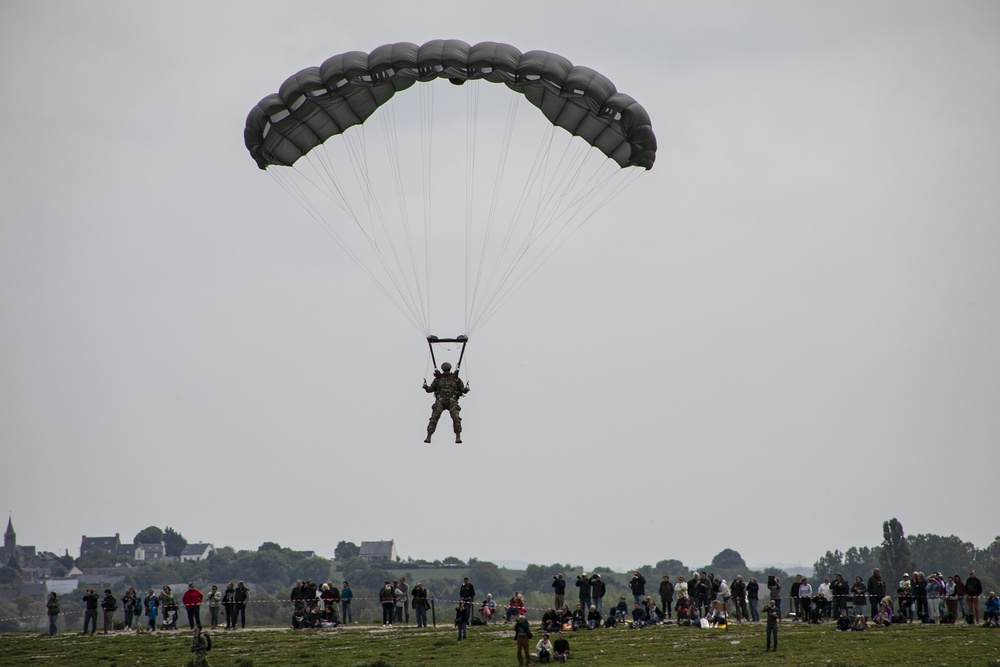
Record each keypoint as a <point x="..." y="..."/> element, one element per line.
<point x="379" y="552"/>
<point x="149" y="551"/>
<point x="13" y="554"/>
<point x="197" y="551"/>
<point x="110" y="544"/>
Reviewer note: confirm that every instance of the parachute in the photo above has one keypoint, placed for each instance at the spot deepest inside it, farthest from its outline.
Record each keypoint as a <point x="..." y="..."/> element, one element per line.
<point x="384" y="174"/>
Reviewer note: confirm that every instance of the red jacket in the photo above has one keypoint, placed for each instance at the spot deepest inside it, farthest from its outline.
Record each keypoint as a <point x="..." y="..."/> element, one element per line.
<point x="192" y="598"/>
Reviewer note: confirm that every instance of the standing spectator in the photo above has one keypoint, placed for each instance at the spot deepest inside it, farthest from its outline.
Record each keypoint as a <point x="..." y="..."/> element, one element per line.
<point x="774" y="587"/>
<point x="467" y="592"/>
<point x="904" y="599"/>
<point x="666" y="595"/>
<point x="796" y="596"/>
<point x="919" y="590"/>
<point x="228" y="603"/>
<point x="462" y="619"/>
<point x="387" y="597"/>
<point x="52" y="607"/>
<point x="397" y="598"/>
<point x="420" y="604"/>
<point x="583" y="583"/>
<point x="404" y="588"/>
<point x="805" y="594"/>
<point x="597" y="591"/>
<point x="168" y="608"/>
<point x="739" y="592"/>
<point x="522" y="633"/>
<point x="192" y="605"/>
<point x="753" y="599"/>
<point x="876" y="590"/>
<point x="773" y="614"/>
<point x="638" y="586"/>
<point x="963" y="609"/>
<point x="346" y="597"/>
<point x="309" y="593"/>
<point x="559" y="592"/>
<point x="858" y="592"/>
<point x="91" y="602"/>
<point x="681" y="589"/>
<point x="295" y="597"/>
<point x="973" y="591"/>
<point x="933" y="598"/>
<point x="951" y="600"/>
<point x="109" y="604"/>
<point x="330" y="595"/>
<point x="214" y="601"/>
<point x="826" y="592"/>
<point x="240" y="598"/>
<point x="839" y="590"/>
<point x="151" y="604"/>
<point x="723" y="593"/>
<point x="131" y="606"/>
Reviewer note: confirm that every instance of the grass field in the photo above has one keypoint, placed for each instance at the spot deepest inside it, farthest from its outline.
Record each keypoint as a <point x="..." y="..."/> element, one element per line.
<point x="367" y="645"/>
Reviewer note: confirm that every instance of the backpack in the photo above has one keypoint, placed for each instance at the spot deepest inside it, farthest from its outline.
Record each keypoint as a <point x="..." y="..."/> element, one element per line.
<point x="208" y="641"/>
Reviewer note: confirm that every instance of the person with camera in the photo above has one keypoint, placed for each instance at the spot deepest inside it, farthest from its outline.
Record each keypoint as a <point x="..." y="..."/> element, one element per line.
<point x="559" y="590"/>
<point x="583" y="583"/>
<point x="637" y="584"/>
<point x="597" y="591"/>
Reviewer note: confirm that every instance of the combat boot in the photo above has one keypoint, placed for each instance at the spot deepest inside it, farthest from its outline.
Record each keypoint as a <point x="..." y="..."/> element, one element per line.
<point x="458" y="438"/>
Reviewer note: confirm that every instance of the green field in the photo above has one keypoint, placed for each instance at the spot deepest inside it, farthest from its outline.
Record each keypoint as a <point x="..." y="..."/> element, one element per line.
<point x="493" y="645"/>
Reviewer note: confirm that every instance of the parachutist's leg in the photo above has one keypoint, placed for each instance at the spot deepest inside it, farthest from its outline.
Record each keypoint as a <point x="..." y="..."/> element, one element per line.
<point x="436" y="411"/>
<point x="455" y="409"/>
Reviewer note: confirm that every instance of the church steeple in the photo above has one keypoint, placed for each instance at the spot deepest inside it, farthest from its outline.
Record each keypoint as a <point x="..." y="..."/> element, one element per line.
<point x="9" y="537"/>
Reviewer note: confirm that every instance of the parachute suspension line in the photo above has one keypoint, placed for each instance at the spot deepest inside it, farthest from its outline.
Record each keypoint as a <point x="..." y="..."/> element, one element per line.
<point x="356" y="149"/>
<point x="623" y="184"/>
<point x="426" y="98"/>
<point x="492" y="286"/>
<point x="294" y="191"/>
<point x="512" y="109"/>
<point x="471" y="130"/>
<point x="392" y="149"/>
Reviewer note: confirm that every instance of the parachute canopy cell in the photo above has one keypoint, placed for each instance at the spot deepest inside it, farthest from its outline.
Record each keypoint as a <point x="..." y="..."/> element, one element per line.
<point x="320" y="102"/>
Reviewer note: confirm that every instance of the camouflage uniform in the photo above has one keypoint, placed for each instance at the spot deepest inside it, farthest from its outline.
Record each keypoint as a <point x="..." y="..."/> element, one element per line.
<point x="447" y="389"/>
<point x="199" y="646"/>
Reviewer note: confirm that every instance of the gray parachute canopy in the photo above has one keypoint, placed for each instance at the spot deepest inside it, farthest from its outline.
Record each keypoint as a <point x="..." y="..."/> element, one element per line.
<point x="320" y="102"/>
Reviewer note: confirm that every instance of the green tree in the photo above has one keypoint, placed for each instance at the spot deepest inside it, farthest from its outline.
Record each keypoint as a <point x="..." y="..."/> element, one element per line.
<point x="173" y="541"/>
<point x="729" y="559"/>
<point x="831" y="563"/>
<point x="487" y="578"/>
<point x="452" y="560"/>
<point x="670" y="566"/>
<point x="148" y="535"/>
<point x="269" y="546"/>
<point x="345" y="551"/>
<point x="895" y="558"/>
<point x="944" y="554"/>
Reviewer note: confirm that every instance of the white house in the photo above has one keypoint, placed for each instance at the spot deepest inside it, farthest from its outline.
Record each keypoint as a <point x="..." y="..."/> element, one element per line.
<point x="199" y="551"/>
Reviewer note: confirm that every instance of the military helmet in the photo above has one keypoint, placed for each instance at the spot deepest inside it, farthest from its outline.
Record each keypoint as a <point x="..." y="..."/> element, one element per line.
<point x="446" y="367"/>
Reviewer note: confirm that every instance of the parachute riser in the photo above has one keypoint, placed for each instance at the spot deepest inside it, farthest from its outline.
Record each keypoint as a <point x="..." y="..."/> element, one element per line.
<point x="433" y="340"/>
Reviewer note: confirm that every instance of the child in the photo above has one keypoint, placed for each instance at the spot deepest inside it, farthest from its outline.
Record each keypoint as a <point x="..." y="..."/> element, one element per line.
<point x="461" y="619"/>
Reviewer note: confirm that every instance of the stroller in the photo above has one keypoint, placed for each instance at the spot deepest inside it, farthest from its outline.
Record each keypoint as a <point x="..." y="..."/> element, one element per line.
<point x="169" y="616"/>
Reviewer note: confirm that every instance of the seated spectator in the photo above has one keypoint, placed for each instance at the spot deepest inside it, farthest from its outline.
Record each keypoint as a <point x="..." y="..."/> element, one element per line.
<point x="561" y="648"/>
<point x="621" y="610"/>
<point x="579" y="618"/>
<point x="549" y="620"/>
<point x="543" y="649"/>
<point x="299" y="619"/>
<point x="992" y="611"/>
<point x="843" y="621"/>
<point x="515" y="608"/>
<point x="638" y="616"/>
<point x="884" y="614"/>
<point x="593" y="617"/>
<point x="610" y="621"/>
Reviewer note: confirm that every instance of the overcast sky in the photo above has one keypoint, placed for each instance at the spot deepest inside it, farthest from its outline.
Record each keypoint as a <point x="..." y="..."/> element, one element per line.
<point x="782" y="335"/>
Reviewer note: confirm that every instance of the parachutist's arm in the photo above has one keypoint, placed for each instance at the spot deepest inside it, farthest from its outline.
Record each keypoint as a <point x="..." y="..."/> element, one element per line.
<point x="428" y="387"/>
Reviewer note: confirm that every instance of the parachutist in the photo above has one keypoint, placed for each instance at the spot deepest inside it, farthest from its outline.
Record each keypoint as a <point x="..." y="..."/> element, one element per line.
<point x="447" y="388"/>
